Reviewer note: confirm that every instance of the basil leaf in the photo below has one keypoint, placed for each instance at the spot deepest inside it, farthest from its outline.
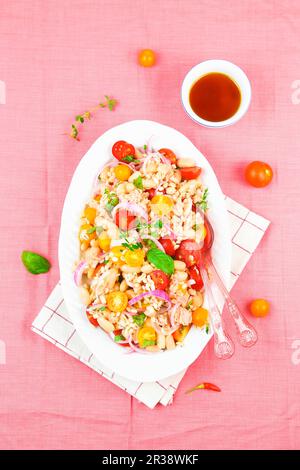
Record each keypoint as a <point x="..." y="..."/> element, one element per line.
<point x="34" y="263"/>
<point x="160" y="260"/>
<point x="148" y="342"/>
<point x="158" y="224"/>
<point x="119" y="338"/>
<point x="138" y="182"/>
<point x="139" y="319"/>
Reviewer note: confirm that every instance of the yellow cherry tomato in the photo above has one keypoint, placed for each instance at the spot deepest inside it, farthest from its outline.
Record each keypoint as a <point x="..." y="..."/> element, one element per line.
<point x="97" y="197"/>
<point x="84" y="234"/>
<point x="104" y="241"/>
<point x="147" y="58"/>
<point x="122" y="172"/>
<point x="181" y="333"/>
<point x="200" y="317"/>
<point x="259" y="307"/>
<point x="200" y="232"/>
<point x="146" y="336"/>
<point x="117" y="301"/>
<point x="134" y="258"/>
<point x="161" y="204"/>
<point x="90" y="214"/>
<point x="118" y="251"/>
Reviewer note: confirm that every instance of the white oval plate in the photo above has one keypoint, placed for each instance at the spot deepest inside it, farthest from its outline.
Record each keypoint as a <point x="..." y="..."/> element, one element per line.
<point x="139" y="367"/>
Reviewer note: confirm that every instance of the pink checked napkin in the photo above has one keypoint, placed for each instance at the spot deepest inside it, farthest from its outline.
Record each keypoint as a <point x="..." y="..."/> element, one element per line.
<point x="53" y="322"/>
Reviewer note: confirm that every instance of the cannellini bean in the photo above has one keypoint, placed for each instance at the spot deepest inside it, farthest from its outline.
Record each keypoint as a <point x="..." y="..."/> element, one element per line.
<point x="123" y="286"/>
<point x="104" y="174"/>
<point x="179" y="265"/>
<point x="147" y="268"/>
<point x="197" y="300"/>
<point x="112" y="276"/>
<point x="84" y="295"/>
<point x="170" y="190"/>
<point x="185" y="162"/>
<point x="113" y="232"/>
<point x="161" y="341"/>
<point x="148" y="183"/>
<point x="176" y="178"/>
<point x="105" y="325"/>
<point x="181" y="275"/>
<point x="129" y="187"/>
<point x="170" y="343"/>
<point x="130" y="269"/>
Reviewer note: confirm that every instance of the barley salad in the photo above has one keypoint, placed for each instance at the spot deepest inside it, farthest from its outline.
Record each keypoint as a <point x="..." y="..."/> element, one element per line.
<point x="140" y="237"/>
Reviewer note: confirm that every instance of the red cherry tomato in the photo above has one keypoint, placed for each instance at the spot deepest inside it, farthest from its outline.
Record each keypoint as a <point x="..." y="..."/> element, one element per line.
<point x="124" y="219"/>
<point x="195" y="274"/>
<point x="91" y="319"/>
<point x="258" y="174"/>
<point x="189" y="251"/>
<point x="117" y="333"/>
<point x="160" y="279"/>
<point x="190" y="173"/>
<point x="151" y="193"/>
<point x="169" y="154"/>
<point x="122" y="149"/>
<point x="117" y="149"/>
<point x="168" y="246"/>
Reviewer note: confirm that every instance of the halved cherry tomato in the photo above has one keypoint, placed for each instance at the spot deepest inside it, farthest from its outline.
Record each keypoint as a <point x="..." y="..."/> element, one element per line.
<point x="190" y="173"/>
<point x="117" y="301"/>
<point x="258" y="174"/>
<point x="169" y="154"/>
<point x="194" y="273"/>
<point x="134" y="258"/>
<point x="151" y="192"/>
<point x="122" y="172"/>
<point x="122" y="149"/>
<point x="90" y="214"/>
<point x="168" y="246"/>
<point x="124" y="219"/>
<point x="160" y="279"/>
<point x="117" y="149"/>
<point x="161" y="204"/>
<point x="91" y="319"/>
<point x="146" y="335"/>
<point x="181" y="333"/>
<point x="117" y="333"/>
<point x="200" y="317"/>
<point x="189" y="251"/>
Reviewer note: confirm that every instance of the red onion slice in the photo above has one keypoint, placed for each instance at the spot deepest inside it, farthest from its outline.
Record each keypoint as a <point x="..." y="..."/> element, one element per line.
<point x="160" y="294"/>
<point x="79" y="272"/>
<point x="137" y="349"/>
<point x="130" y="207"/>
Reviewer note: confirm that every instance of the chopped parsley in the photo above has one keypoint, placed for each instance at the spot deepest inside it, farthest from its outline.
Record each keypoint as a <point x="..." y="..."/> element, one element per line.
<point x="148" y="342"/>
<point x="132" y="246"/>
<point x="207" y="329"/>
<point x="203" y="204"/>
<point x="129" y="159"/>
<point x="138" y="182"/>
<point x="139" y="319"/>
<point x="119" y="338"/>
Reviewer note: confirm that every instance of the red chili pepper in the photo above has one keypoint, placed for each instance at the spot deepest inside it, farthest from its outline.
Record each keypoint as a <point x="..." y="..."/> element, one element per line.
<point x="204" y="386"/>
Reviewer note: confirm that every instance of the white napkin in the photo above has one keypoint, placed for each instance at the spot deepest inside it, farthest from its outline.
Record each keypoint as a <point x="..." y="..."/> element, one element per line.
<point x="53" y="322"/>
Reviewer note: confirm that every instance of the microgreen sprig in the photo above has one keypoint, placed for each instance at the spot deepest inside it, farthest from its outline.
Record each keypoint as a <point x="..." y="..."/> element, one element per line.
<point x="109" y="103"/>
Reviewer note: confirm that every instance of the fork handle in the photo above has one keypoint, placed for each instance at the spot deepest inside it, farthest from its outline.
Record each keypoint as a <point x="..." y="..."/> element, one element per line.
<point x="247" y="334"/>
<point x="223" y="345"/>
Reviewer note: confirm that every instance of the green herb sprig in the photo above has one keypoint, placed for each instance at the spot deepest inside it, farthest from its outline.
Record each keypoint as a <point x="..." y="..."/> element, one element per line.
<point x="109" y="103"/>
<point x="203" y="204"/>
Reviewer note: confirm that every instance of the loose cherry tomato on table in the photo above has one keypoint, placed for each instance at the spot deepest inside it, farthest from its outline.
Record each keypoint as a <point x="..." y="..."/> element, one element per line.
<point x="124" y="219"/>
<point x="258" y="174"/>
<point x="190" y="173"/>
<point x="160" y="279"/>
<point x="117" y="301"/>
<point x="169" y="154"/>
<point x="259" y="307"/>
<point x="195" y="275"/>
<point x="189" y="251"/>
<point x="147" y="58"/>
<point x="168" y="246"/>
<point x="200" y="317"/>
<point x="122" y="151"/>
<point x="181" y="333"/>
<point x="91" y="319"/>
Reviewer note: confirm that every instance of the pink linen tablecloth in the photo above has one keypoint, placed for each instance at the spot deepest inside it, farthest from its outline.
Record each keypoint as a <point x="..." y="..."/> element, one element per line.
<point x="58" y="58"/>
